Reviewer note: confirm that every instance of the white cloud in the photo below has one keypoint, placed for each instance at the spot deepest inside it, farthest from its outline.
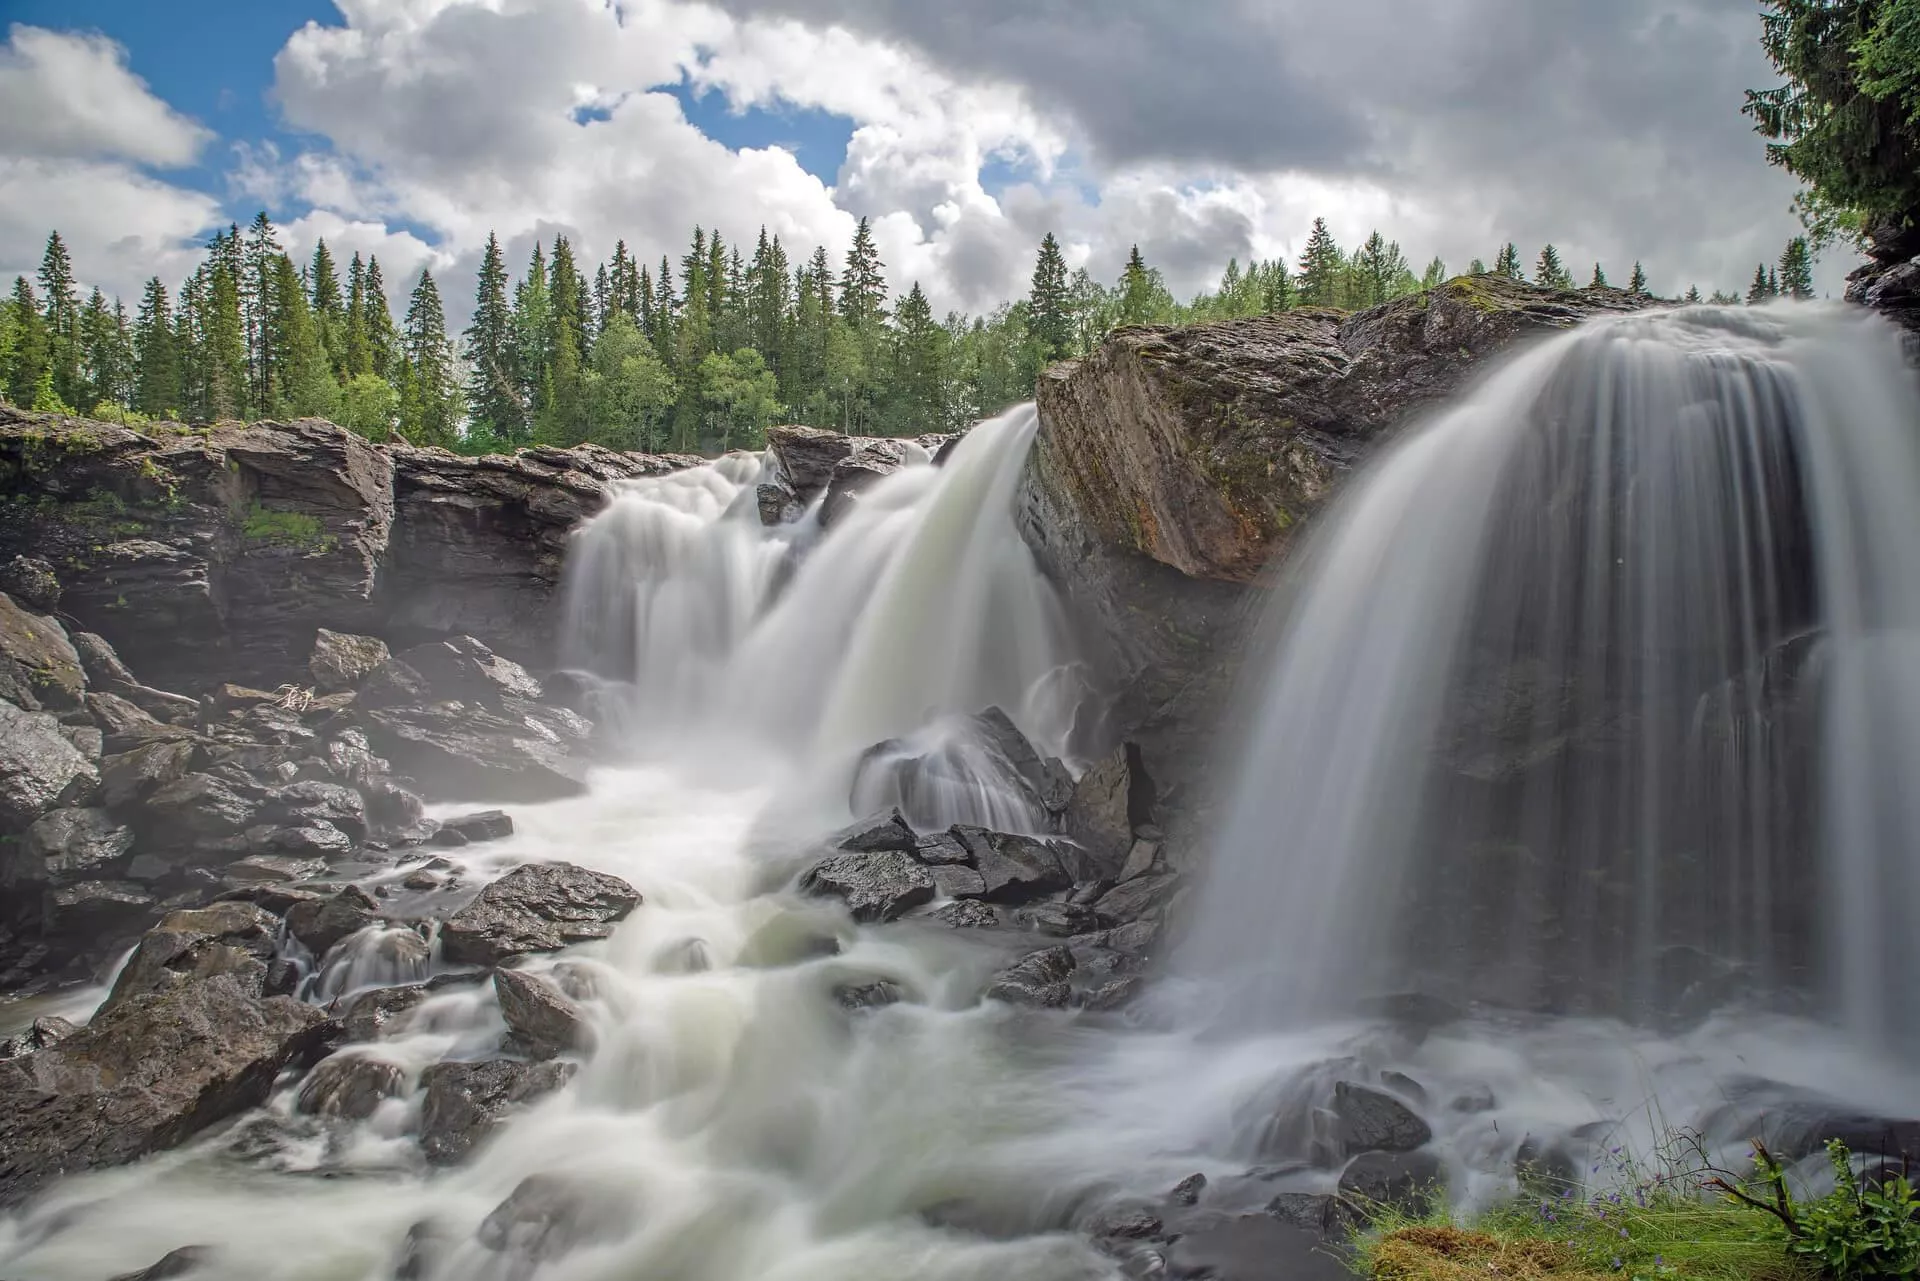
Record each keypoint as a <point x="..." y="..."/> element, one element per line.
<point x="72" y="96"/>
<point x="76" y="127"/>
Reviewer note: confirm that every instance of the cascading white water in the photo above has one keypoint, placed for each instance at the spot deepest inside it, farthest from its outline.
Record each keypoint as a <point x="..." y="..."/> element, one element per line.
<point x="920" y="602"/>
<point x="1600" y="692"/>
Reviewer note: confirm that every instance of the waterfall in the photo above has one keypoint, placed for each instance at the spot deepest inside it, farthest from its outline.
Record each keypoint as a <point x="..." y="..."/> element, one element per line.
<point x="1599" y="693"/>
<point x="804" y="647"/>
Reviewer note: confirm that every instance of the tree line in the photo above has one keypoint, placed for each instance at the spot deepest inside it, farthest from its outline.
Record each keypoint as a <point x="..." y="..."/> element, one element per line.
<point x="699" y="354"/>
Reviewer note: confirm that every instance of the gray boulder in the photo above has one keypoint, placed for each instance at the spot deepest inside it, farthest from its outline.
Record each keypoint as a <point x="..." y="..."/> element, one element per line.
<point x="39" y="669"/>
<point x="1407" y="1181"/>
<point x="340" y="660"/>
<point x="1374" y="1121"/>
<point x="321" y="923"/>
<point x="541" y="907"/>
<point x="32" y="582"/>
<point x="1015" y="869"/>
<point x="190" y="945"/>
<point x="550" y="1215"/>
<point x="522" y="752"/>
<point x="543" y="1022"/>
<point x="39" y="769"/>
<point x="1038" y="979"/>
<point x="145" y="1075"/>
<point x="349" y="1087"/>
<point x="465" y="1101"/>
<point x="66" y="844"/>
<point x="877" y="885"/>
<point x="473" y="829"/>
<point x="889" y="831"/>
<point x="128" y="778"/>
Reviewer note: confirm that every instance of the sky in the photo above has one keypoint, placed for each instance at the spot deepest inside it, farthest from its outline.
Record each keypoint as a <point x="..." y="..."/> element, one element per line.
<point x="965" y="130"/>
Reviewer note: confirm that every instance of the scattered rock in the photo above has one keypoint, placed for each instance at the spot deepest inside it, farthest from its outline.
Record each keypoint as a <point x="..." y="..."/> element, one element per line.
<point x="958" y="882"/>
<point x="1015" y="869"/>
<point x="876" y="886"/>
<point x="314" y="803"/>
<point x="373" y="1014"/>
<point x="541" y="907"/>
<point x="145" y="1075"/>
<point x="131" y="777"/>
<point x="464" y="1101"/>
<point x="125" y="726"/>
<point x="1132" y="900"/>
<point x="550" y="1215"/>
<point x="1188" y="1190"/>
<point x="42" y="1032"/>
<point x="1127" y="1223"/>
<point x="1374" y="1121"/>
<point x="1317" y="1212"/>
<point x="1038" y="978"/>
<point x="321" y="923"/>
<point x="1405" y="1180"/>
<point x="89" y="914"/>
<point x="1061" y="920"/>
<point x="63" y="844"/>
<point x="231" y="938"/>
<point x="1110" y="995"/>
<point x="349" y="1087"/>
<point x="968" y="914"/>
<point x="39" y="669"/>
<point x="267" y="869"/>
<point x="888" y="831"/>
<point x="472" y="829"/>
<point x="194" y="810"/>
<point x="176" y="1263"/>
<point x="868" y="996"/>
<point x="341" y="660"/>
<point x="39" y="769"/>
<point x="1475" y="1098"/>
<point x="32" y="582"/>
<point x="942" y="849"/>
<point x="542" y="1021"/>
<point x="525" y="753"/>
<point x="315" y="842"/>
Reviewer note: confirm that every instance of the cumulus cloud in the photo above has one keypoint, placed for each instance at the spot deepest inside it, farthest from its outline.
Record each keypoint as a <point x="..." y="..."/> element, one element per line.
<point x="77" y="131"/>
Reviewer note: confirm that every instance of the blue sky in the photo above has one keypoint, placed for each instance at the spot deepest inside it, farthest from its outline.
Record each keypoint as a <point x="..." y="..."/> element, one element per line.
<point x="414" y="128"/>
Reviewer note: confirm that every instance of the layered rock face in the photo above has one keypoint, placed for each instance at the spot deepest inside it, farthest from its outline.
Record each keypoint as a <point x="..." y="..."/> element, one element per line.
<point x="1173" y="465"/>
<point x="217" y="554"/>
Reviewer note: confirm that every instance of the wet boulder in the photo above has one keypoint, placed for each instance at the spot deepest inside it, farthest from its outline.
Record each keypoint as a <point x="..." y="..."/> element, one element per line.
<point x="888" y="831"/>
<point x="540" y="907"/>
<point x="1015" y="869"/>
<point x="521" y="752"/>
<point x="38" y="1035"/>
<point x="340" y="660"/>
<point x="806" y="457"/>
<point x="321" y="923"/>
<point x="968" y="914"/>
<point x="183" y="1262"/>
<point x="473" y="829"/>
<point x="126" y="726"/>
<point x="877" y="885"/>
<point x="145" y="1075"/>
<point x="128" y="778"/>
<point x="461" y="670"/>
<point x="312" y="802"/>
<point x="541" y="1020"/>
<point x="464" y="1101"/>
<point x="871" y="459"/>
<point x="84" y="917"/>
<point x="39" y="769"/>
<point x="194" y="944"/>
<point x="1372" y="1120"/>
<point x="349" y="1087"/>
<point x="39" y="669"/>
<point x="31" y="582"/>
<point x="1134" y="899"/>
<point x="1037" y="979"/>
<point x="371" y="1015"/>
<point x="1407" y="1181"/>
<point x="195" y="811"/>
<point x="550" y="1215"/>
<point x="63" y="845"/>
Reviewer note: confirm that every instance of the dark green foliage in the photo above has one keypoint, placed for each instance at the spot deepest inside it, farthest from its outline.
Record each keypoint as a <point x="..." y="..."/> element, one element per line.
<point x="1320" y="264"/>
<point x="1049" y="309"/>
<point x="430" y="406"/>
<point x="1847" y="120"/>
<point x="1599" y="280"/>
<point x="1637" y="284"/>
<point x="1796" y="269"/>
<point x="493" y="393"/>
<point x="1507" y="262"/>
<point x="156" y="356"/>
<point x="1859" y="1231"/>
<point x="1550" y="272"/>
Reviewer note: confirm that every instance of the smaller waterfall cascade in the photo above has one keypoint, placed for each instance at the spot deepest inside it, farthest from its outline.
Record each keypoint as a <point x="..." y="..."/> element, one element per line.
<point x="1600" y="693"/>
<point x="918" y="607"/>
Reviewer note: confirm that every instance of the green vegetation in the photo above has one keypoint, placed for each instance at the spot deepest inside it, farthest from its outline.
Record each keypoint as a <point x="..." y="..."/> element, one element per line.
<point x="286" y="529"/>
<point x="1847" y="120"/>
<point x="1682" y="1218"/>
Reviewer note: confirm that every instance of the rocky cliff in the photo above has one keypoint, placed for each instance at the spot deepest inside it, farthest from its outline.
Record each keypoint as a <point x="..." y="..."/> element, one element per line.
<point x="215" y="555"/>
<point x="1175" y="464"/>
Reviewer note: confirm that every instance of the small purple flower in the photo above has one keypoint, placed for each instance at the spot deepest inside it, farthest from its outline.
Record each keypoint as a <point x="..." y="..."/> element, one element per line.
<point x="1623" y="1232"/>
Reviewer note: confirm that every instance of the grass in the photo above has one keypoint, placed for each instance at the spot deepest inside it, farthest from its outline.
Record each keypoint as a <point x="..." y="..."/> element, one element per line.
<point x="286" y="529"/>
<point x="1644" y="1226"/>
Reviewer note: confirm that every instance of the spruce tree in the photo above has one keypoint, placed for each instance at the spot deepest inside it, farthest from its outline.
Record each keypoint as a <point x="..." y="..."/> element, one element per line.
<point x="1758" y="292"/>
<point x="492" y="391"/>
<point x="1550" y="272"/>
<point x="1319" y="270"/>
<point x="383" y="341"/>
<point x="1693" y="294"/>
<point x="62" y="317"/>
<point x="1507" y="262"/>
<point x="1476" y="268"/>
<point x="156" y="357"/>
<point x="1773" y="283"/>
<point x="1599" y="280"/>
<point x="431" y="393"/>
<point x="1276" y="287"/>
<point x="863" y="285"/>
<point x="916" y="389"/>
<point x="258" y="305"/>
<point x="1637" y="285"/>
<point x="304" y="383"/>
<point x="1796" y="269"/>
<point x="356" y="348"/>
<point x="563" y="420"/>
<point x="666" y="315"/>
<point x="1435" y="275"/>
<point x="1049" y="321"/>
<point x="32" y="349"/>
<point x="532" y="334"/>
<point x="328" y="306"/>
<point x="1378" y="266"/>
<point x="694" y="334"/>
<point x="225" y="346"/>
<point x="1136" y="290"/>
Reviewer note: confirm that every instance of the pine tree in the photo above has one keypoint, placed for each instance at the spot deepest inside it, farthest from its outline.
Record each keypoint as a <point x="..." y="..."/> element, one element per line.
<point x="1773" y="283"/>
<point x="1759" y="291"/>
<point x="863" y="286"/>
<point x="1693" y="294"/>
<point x="1477" y="268"/>
<point x="1550" y="272"/>
<point x="563" y="416"/>
<point x="1378" y="266"/>
<point x="1435" y="275"/>
<point x="304" y="385"/>
<point x="257" y="307"/>
<point x="1276" y="287"/>
<point x="1637" y="285"/>
<point x="1048" y="318"/>
<point x="383" y="341"/>
<point x="1796" y="270"/>
<point x="492" y="391"/>
<point x="1507" y="262"/>
<point x="225" y="343"/>
<point x="917" y="374"/>
<point x="694" y="333"/>
<point x="356" y="348"/>
<point x="1136" y="290"/>
<point x="106" y="355"/>
<point x="156" y="357"/>
<point x="62" y="317"/>
<point x="1319" y="270"/>
<point x="327" y="306"/>
<point x="32" y="358"/>
<point x="1599" y="280"/>
<point x="666" y="315"/>
<point x="431" y="397"/>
